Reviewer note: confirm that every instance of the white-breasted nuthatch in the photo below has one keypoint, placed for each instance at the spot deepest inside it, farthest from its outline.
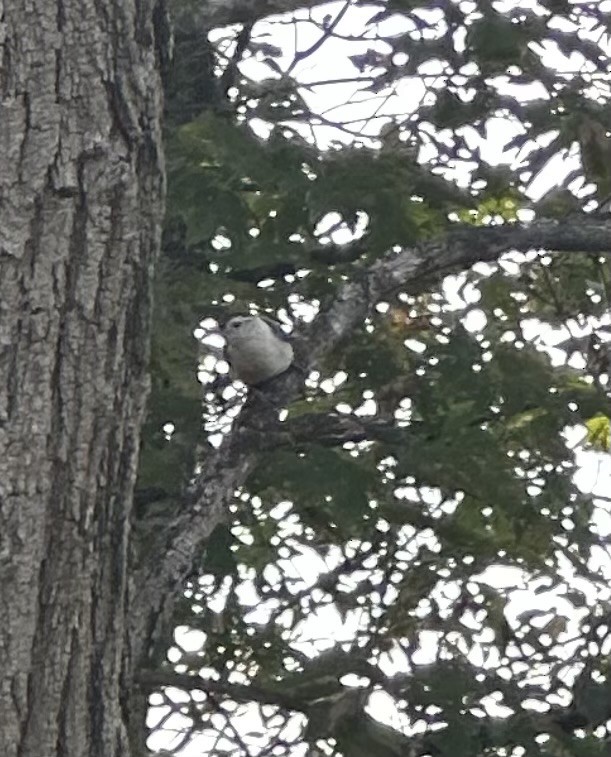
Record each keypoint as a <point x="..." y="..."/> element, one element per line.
<point x="257" y="348"/>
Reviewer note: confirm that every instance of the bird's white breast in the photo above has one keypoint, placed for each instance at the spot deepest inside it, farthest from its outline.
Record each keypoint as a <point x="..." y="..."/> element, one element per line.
<point x="256" y="359"/>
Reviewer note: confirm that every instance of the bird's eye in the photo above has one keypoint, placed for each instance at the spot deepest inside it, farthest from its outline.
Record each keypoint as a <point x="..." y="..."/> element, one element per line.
<point x="236" y="325"/>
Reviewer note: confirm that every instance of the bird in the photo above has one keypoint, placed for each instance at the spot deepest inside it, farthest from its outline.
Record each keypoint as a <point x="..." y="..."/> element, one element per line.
<point x="257" y="349"/>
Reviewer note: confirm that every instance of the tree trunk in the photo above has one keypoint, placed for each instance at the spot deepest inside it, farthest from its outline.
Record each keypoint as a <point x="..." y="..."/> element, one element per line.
<point x="81" y="192"/>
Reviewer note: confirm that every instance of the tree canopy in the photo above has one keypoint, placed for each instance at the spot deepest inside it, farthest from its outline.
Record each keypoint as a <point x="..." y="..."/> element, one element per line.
<point x="409" y="558"/>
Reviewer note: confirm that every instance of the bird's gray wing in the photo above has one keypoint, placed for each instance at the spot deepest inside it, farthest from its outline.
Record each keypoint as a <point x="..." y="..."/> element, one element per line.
<point x="276" y="328"/>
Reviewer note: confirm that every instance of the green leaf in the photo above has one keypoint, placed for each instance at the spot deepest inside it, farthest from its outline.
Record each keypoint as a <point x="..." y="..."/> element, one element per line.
<point x="599" y="432"/>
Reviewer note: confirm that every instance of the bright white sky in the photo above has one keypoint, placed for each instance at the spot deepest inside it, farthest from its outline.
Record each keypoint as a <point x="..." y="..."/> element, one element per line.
<point x="368" y="114"/>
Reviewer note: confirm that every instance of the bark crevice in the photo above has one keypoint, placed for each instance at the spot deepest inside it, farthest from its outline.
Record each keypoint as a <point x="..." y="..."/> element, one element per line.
<point x="80" y="210"/>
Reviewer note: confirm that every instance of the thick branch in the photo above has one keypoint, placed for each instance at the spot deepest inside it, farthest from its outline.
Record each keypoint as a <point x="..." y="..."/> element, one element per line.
<point x="457" y="250"/>
<point x="179" y="547"/>
<point x="467" y="245"/>
<point x="336" y="711"/>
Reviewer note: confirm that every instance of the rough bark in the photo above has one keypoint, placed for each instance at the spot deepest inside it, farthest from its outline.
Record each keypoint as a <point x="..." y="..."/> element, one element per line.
<point x="81" y="188"/>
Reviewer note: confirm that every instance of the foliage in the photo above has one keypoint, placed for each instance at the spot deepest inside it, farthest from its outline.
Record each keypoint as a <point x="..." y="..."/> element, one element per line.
<point x="362" y="600"/>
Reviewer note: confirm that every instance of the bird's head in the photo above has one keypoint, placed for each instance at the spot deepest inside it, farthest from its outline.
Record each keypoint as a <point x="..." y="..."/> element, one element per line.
<point x="241" y="327"/>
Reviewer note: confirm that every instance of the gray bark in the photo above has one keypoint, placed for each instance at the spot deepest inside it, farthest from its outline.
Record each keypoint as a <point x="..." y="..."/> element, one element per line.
<point x="81" y="190"/>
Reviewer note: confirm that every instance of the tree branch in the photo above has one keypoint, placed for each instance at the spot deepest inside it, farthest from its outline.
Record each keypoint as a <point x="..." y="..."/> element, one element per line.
<point x="334" y="429"/>
<point x="337" y="711"/>
<point x="330" y="254"/>
<point x="178" y="548"/>
<point x="217" y="13"/>
<point x="238" y="692"/>
<point x="327" y="32"/>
